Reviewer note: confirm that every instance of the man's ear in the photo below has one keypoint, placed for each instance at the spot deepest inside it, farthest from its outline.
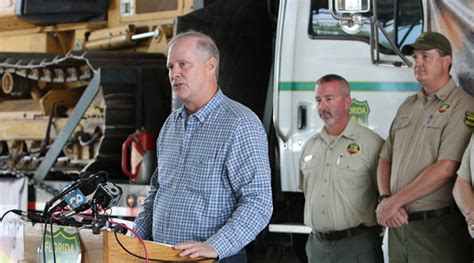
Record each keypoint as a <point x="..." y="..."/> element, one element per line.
<point x="212" y="66"/>
<point x="448" y="60"/>
<point x="348" y="102"/>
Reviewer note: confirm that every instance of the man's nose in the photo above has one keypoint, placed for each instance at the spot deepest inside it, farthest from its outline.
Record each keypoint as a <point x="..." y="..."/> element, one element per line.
<point x="174" y="72"/>
<point x="418" y="61"/>
<point x="322" y="105"/>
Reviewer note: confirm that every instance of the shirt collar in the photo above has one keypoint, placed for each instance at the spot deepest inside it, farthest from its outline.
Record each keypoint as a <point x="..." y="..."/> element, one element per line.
<point x="348" y="132"/>
<point x="442" y="93"/>
<point x="205" y="111"/>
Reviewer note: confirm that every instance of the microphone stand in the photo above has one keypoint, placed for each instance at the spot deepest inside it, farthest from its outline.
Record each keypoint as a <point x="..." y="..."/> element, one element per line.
<point x="98" y="221"/>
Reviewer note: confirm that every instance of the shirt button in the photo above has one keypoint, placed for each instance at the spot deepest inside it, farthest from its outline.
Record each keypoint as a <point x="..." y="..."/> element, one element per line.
<point x="323" y="212"/>
<point x="322" y="195"/>
<point x="327" y="164"/>
<point x="325" y="180"/>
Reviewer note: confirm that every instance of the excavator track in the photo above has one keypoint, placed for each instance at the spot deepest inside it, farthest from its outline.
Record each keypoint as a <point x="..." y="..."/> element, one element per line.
<point x="37" y="94"/>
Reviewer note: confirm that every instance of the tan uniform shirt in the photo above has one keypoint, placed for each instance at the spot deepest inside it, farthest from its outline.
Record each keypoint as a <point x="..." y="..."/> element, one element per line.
<point x="466" y="171"/>
<point x="427" y="129"/>
<point x="339" y="179"/>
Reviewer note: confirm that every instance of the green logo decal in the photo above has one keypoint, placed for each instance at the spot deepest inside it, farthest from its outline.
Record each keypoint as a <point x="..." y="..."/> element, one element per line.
<point x="67" y="247"/>
<point x="353" y="148"/>
<point x="444" y="107"/>
<point x="360" y="111"/>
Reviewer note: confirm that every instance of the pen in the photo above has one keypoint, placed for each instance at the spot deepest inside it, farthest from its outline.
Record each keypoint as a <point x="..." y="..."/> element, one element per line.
<point x="429" y="118"/>
<point x="339" y="158"/>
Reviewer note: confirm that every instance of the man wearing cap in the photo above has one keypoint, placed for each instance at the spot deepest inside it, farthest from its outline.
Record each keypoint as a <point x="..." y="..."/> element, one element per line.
<point x="419" y="159"/>
<point x="338" y="178"/>
<point x="463" y="191"/>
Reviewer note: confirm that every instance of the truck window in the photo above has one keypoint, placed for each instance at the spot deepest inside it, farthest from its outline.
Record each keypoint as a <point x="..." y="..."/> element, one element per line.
<point x="403" y="27"/>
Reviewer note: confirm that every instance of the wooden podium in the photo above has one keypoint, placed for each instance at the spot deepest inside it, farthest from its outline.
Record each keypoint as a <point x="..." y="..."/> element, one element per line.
<point x="104" y="247"/>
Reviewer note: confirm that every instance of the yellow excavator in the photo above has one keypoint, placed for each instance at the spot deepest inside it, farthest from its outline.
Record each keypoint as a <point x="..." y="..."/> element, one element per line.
<point x="49" y="53"/>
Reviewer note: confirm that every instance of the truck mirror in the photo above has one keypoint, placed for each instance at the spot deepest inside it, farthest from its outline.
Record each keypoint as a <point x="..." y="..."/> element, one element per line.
<point x="352" y="6"/>
<point x="353" y="25"/>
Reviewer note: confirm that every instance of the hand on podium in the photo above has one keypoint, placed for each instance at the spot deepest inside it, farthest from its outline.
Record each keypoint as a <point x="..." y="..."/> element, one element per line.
<point x="195" y="249"/>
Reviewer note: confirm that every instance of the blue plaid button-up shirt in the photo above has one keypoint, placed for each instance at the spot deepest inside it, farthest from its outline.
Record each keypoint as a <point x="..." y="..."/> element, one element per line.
<point x="212" y="183"/>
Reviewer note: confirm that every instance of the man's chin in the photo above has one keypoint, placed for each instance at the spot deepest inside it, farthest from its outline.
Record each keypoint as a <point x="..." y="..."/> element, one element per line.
<point x="328" y="122"/>
<point x="180" y="94"/>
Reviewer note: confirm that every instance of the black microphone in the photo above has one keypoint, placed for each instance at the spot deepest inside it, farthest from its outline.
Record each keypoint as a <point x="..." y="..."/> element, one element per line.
<point x="76" y="210"/>
<point x="30" y="217"/>
<point x="75" y="193"/>
<point x="107" y="195"/>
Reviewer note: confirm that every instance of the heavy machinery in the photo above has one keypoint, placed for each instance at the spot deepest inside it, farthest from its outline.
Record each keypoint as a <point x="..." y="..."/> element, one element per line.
<point x="50" y="51"/>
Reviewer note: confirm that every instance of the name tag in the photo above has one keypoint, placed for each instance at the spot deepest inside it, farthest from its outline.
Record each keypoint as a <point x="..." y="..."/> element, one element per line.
<point x="308" y="158"/>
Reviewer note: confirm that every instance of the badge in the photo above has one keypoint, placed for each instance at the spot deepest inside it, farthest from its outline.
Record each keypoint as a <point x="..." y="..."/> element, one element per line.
<point x="444" y="107"/>
<point x="353" y="148"/>
<point x="308" y="158"/>
<point x="359" y="112"/>
<point x="469" y="119"/>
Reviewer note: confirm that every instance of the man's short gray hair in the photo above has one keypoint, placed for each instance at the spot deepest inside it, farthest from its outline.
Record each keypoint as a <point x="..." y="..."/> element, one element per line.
<point x="337" y="78"/>
<point x="206" y="46"/>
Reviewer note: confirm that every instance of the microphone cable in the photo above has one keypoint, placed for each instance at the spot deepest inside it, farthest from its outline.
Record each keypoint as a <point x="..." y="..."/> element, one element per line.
<point x="146" y="258"/>
<point x="6" y="213"/>
<point x="52" y="240"/>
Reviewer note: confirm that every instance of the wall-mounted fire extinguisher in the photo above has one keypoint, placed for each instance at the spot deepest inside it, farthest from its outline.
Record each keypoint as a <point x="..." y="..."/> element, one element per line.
<point x="139" y="157"/>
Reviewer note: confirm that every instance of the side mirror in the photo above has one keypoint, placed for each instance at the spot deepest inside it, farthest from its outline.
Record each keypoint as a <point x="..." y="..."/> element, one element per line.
<point x="349" y="13"/>
<point x="352" y="6"/>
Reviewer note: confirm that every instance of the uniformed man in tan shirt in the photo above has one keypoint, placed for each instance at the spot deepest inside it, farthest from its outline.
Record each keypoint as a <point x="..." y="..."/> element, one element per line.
<point x="463" y="191"/>
<point x="418" y="162"/>
<point x="338" y="178"/>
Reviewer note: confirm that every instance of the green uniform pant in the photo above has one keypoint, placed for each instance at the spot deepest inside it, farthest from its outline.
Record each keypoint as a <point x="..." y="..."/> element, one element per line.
<point x="442" y="239"/>
<point x="365" y="247"/>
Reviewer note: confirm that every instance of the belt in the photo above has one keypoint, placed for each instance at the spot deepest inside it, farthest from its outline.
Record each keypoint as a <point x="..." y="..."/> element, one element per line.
<point x="337" y="235"/>
<point x="425" y="215"/>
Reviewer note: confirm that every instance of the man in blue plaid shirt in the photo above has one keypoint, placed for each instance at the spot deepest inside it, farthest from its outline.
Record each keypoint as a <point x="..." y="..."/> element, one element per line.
<point x="210" y="194"/>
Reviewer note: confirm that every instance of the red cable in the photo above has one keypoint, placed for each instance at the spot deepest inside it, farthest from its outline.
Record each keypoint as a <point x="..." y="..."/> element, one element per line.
<point x="136" y="235"/>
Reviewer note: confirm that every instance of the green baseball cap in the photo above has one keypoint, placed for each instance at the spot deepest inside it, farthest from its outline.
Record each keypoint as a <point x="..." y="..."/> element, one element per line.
<point x="428" y="41"/>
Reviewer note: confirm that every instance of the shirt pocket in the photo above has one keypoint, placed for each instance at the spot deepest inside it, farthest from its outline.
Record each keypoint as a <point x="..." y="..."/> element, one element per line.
<point x="400" y="129"/>
<point x="437" y="123"/>
<point x="432" y="134"/>
<point x="310" y="170"/>
<point x="205" y="175"/>
<point x="352" y="172"/>
<point x="401" y="122"/>
<point x="205" y="184"/>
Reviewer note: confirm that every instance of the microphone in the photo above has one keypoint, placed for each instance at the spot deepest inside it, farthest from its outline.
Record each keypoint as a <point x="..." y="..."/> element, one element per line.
<point x="107" y="195"/>
<point x="31" y="217"/>
<point x="75" y="193"/>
